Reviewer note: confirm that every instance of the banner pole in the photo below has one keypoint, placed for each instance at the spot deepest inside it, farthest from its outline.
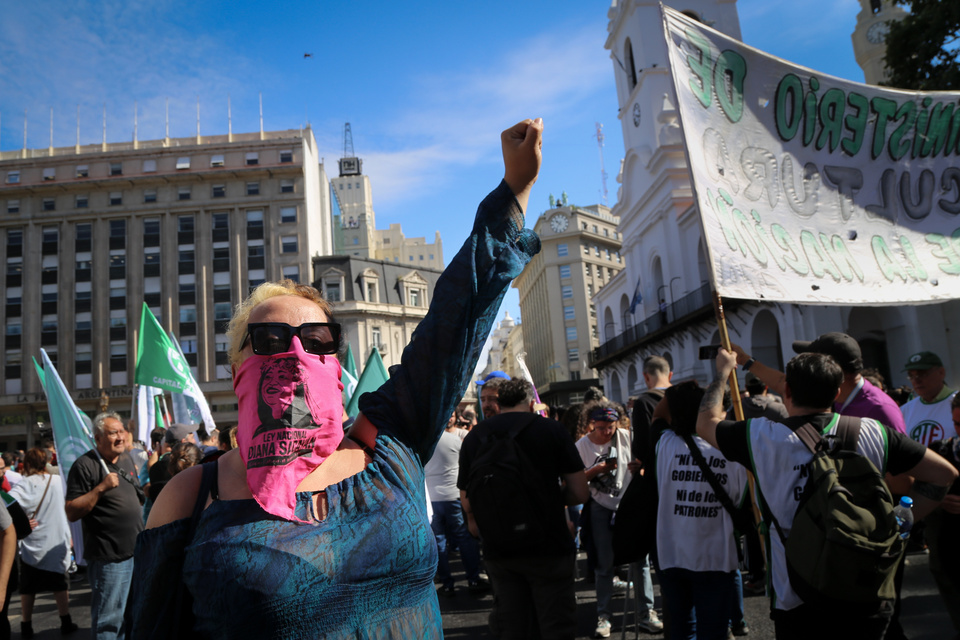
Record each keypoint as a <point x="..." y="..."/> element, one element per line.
<point x="738" y="414"/>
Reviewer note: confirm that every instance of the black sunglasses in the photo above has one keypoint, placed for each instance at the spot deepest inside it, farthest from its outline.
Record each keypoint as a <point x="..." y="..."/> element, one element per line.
<point x="271" y="338"/>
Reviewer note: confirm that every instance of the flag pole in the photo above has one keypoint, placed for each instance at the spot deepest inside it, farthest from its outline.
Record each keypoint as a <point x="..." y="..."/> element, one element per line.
<point x="738" y="412"/>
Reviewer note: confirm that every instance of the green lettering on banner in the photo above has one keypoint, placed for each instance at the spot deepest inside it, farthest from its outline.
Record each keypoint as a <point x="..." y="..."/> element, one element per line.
<point x="728" y="75"/>
<point x="938" y="130"/>
<point x="920" y="135"/>
<point x="745" y="229"/>
<point x="700" y="66"/>
<point x="767" y="241"/>
<point x="885" y="109"/>
<point x="886" y="260"/>
<point x="788" y="106"/>
<point x="907" y="111"/>
<point x="810" y="112"/>
<point x="945" y="251"/>
<point x="838" y="253"/>
<point x="953" y="146"/>
<point x="817" y="257"/>
<point x="856" y="124"/>
<point x="791" y="255"/>
<point x="831" y="119"/>
<point x="719" y="206"/>
<point x="914" y="267"/>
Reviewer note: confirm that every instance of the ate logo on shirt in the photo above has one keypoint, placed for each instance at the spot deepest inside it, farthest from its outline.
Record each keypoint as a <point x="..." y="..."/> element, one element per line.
<point x="926" y="432"/>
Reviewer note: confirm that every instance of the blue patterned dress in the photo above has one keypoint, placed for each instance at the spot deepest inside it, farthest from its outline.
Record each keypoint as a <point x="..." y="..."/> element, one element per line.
<point x="366" y="570"/>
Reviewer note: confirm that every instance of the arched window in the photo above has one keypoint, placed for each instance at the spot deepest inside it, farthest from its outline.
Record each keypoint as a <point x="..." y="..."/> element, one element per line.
<point x="631" y="68"/>
<point x="615" y="393"/>
<point x="625" y="314"/>
<point x="609" y="328"/>
<point x="765" y="340"/>
<point x="631" y="379"/>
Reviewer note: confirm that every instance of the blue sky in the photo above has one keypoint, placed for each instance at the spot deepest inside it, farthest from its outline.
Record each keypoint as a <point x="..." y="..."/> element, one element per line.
<point x="426" y="86"/>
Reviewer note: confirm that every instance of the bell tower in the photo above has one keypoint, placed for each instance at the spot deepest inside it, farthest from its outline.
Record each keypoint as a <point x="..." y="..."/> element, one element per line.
<point x="870" y="34"/>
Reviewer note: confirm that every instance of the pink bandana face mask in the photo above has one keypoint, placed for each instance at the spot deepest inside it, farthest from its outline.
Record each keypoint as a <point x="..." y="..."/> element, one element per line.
<point x="291" y="412"/>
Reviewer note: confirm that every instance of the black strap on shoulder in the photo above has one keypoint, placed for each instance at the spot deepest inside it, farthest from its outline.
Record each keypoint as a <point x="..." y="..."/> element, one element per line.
<point x="718" y="489"/>
<point x="848" y="433"/>
<point x="514" y="430"/>
<point x="208" y="487"/>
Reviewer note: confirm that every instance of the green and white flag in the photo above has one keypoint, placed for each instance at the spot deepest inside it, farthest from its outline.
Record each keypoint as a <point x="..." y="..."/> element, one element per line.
<point x="374" y="374"/>
<point x="350" y="376"/>
<point x="160" y="364"/>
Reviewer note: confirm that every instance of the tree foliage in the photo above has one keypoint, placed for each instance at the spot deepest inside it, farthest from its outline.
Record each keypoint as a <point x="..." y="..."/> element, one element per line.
<point x="923" y="48"/>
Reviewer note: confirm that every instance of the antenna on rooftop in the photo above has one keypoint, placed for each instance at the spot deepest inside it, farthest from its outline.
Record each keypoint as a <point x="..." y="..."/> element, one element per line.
<point x="350" y="164"/>
<point x="603" y="171"/>
<point x="347" y="141"/>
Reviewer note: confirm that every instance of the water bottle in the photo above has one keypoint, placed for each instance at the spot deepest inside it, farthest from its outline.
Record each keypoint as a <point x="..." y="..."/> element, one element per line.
<point x="904" y="515"/>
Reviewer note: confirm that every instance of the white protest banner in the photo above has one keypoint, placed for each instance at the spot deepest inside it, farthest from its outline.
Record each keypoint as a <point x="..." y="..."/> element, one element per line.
<point x="813" y="189"/>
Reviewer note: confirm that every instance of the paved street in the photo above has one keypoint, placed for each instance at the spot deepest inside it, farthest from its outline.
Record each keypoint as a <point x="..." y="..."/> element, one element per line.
<point x="465" y="616"/>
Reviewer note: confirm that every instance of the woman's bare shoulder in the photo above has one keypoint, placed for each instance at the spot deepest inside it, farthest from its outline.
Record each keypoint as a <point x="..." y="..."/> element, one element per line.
<point x="177" y="499"/>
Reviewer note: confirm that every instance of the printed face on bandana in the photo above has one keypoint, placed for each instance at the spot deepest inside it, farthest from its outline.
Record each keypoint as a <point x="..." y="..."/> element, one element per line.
<point x="290" y="408"/>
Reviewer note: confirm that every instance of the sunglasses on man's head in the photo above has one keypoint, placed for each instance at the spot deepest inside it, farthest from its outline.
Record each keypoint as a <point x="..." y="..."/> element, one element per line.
<point x="271" y="338"/>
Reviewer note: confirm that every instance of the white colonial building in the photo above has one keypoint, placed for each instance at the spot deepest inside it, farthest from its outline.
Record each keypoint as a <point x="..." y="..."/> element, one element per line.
<point x="665" y="263"/>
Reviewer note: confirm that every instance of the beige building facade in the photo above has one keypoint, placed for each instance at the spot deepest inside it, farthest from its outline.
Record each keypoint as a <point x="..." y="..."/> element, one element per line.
<point x="88" y="234"/>
<point x="580" y="254"/>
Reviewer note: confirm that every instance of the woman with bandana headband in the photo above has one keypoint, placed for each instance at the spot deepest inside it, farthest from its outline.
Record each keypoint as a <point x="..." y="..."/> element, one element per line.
<point x="309" y="532"/>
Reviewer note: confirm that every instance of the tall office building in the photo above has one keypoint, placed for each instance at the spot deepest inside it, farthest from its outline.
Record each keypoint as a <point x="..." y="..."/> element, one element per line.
<point x="580" y="254"/>
<point x="188" y="225"/>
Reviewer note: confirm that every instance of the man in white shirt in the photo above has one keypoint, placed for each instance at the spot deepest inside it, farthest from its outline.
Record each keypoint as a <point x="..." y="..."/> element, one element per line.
<point x="928" y="417"/>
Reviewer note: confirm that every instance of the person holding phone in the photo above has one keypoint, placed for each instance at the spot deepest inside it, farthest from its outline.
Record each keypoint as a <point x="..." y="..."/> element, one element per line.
<point x="605" y="452"/>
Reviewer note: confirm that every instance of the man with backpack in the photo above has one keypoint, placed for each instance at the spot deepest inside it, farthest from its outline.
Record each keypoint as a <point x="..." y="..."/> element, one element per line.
<point x="811" y="500"/>
<point x="511" y="466"/>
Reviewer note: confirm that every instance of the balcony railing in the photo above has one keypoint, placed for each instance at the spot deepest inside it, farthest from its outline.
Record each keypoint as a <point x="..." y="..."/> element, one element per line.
<point x="687" y="309"/>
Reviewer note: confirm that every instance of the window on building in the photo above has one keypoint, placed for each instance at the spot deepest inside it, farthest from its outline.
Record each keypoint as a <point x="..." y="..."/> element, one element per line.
<point x="253" y="158"/>
<point x="569" y="313"/>
<point x="216" y="160"/>
<point x="83" y="171"/>
<point x="619" y="259"/>
<point x="253" y="188"/>
<point x="589" y="290"/>
<point x="595" y="230"/>
<point x="562" y="250"/>
<point x="606" y="232"/>
<point x="151" y="232"/>
<point x="288" y="244"/>
<point x="286" y="155"/>
<point x="183" y="193"/>
<point x="188" y="314"/>
<point x="116" y="168"/>
<point x="286" y="186"/>
<point x="291" y="272"/>
<point x="84" y="233"/>
<point x="150" y="166"/>
<point x="13" y="177"/>
<point x="376" y="337"/>
<point x="596" y="250"/>
<point x="49" y="173"/>
<point x="331" y="290"/>
<point x="185" y="224"/>
<point x="151" y="264"/>
<point x="222" y="311"/>
<point x="414" y="297"/>
<point x="564" y="271"/>
<point x="218" y="191"/>
<point x="116" y="198"/>
<point x="82" y="202"/>
<point x="13" y="206"/>
<point x="573" y="354"/>
<point x="183" y="163"/>
<point x="149" y="195"/>
<point x="571" y="333"/>
<point x="288" y="214"/>
<point x="118" y="357"/>
<point x="49" y="204"/>
<point x="586" y="250"/>
<point x="185" y="263"/>
<point x="372" y="292"/>
<point x="566" y="292"/>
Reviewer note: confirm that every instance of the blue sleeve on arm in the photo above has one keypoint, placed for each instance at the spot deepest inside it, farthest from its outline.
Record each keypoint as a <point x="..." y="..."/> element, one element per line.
<point x="435" y="368"/>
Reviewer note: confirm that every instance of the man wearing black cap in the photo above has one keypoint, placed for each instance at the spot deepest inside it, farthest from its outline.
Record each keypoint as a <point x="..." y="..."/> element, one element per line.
<point x="928" y="416"/>
<point x="858" y="397"/>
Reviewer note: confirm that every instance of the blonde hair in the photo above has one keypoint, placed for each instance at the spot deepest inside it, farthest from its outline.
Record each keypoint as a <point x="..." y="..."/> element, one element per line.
<point x="237" y="329"/>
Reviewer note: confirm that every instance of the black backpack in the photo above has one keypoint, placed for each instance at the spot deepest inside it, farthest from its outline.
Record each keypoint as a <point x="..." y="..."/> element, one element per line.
<point x="844" y="546"/>
<point x="507" y="494"/>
